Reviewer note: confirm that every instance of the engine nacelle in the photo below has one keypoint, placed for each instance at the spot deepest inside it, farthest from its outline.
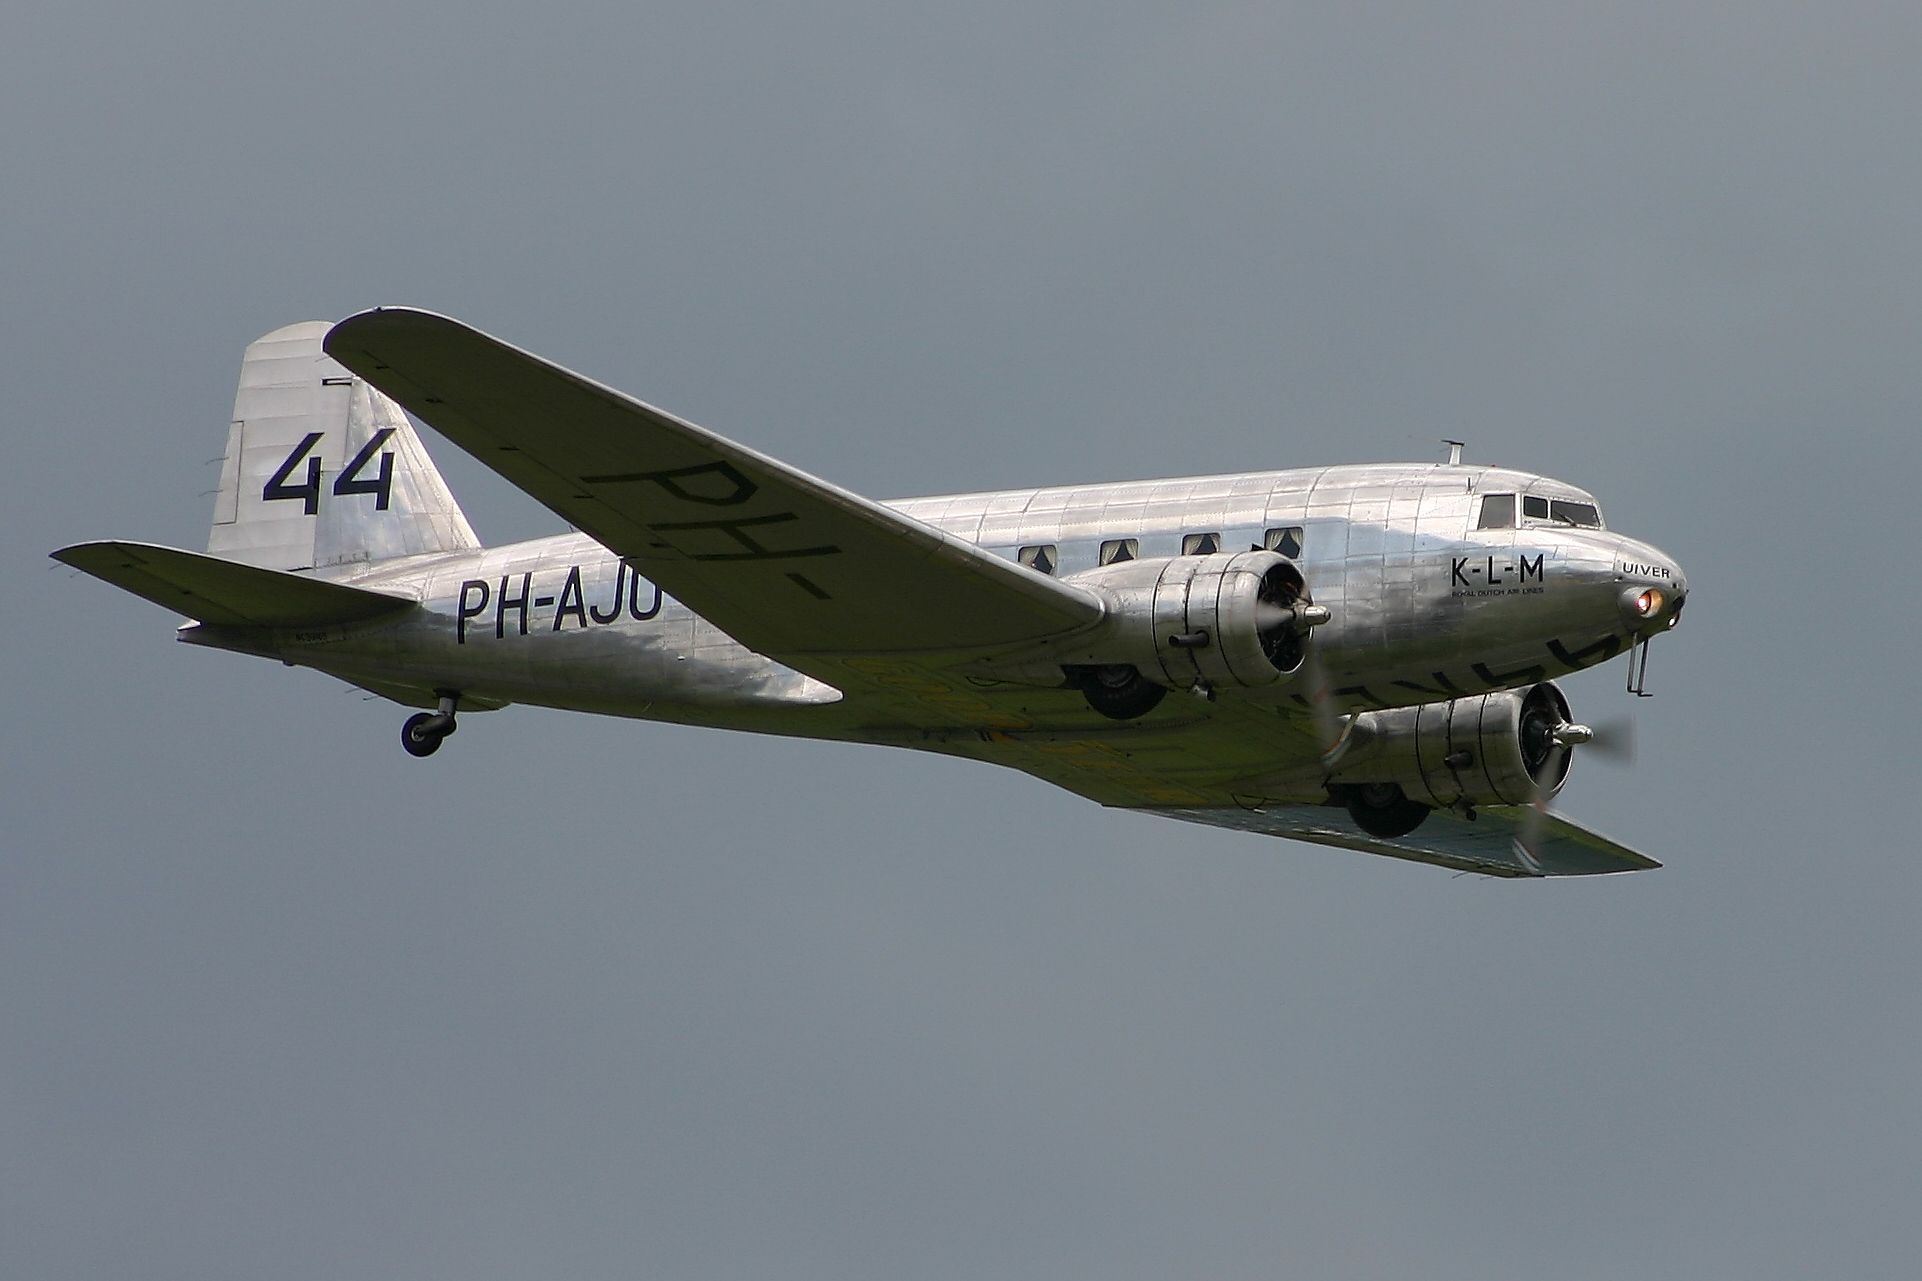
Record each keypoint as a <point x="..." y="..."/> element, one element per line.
<point x="1493" y="749"/>
<point x="1232" y="619"/>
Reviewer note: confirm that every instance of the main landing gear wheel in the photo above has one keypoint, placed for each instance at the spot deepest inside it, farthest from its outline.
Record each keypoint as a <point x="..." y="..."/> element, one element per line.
<point x="1384" y="810"/>
<point x="1121" y="693"/>
<point x="422" y="733"/>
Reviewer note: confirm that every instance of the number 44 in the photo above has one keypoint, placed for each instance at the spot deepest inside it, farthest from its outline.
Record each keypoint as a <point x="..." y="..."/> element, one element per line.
<point x="348" y="482"/>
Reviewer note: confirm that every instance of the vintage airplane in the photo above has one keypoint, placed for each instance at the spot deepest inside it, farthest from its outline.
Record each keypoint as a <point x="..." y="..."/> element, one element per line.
<point x="1360" y="655"/>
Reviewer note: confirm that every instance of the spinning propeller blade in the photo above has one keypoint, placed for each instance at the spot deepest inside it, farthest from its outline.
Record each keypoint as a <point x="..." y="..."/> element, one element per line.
<point x="1315" y="687"/>
<point x="1614" y="741"/>
<point x="1528" y="841"/>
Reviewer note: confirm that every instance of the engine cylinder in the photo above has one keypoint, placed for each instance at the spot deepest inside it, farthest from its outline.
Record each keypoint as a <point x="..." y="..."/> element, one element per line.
<point x="1493" y="749"/>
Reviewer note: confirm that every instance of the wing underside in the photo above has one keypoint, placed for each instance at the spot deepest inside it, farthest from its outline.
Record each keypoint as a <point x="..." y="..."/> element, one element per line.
<point x="1489" y="843"/>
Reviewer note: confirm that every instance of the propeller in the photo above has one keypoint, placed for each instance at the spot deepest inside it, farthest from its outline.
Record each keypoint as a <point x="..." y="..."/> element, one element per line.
<point x="1320" y="693"/>
<point x="1295" y="619"/>
<point x="1285" y="618"/>
<point x="1528" y="839"/>
<point x="1273" y="615"/>
<point x="1612" y="740"/>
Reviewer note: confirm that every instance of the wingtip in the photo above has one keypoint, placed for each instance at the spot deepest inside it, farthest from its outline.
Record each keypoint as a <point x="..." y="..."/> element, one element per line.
<point x="382" y="319"/>
<point x="80" y="555"/>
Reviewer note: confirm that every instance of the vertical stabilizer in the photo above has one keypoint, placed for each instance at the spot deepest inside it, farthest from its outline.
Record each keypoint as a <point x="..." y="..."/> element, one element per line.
<point x="323" y="471"/>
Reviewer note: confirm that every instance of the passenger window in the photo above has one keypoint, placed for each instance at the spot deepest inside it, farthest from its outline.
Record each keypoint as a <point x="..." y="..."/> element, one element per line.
<point x="1582" y="514"/>
<point x="1535" y="508"/>
<point x="1286" y="540"/>
<point x="1040" y="558"/>
<point x="1116" y="550"/>
<point x="1498" y="512"/>
<point x="1200" y="544"/>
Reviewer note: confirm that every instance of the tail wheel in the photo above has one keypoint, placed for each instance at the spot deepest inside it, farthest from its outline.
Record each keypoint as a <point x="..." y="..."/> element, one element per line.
<point x="417" y="738"/>
<point x="422" y="733"/>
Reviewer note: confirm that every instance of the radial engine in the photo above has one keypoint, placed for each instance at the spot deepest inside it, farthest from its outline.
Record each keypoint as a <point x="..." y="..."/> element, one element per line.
<point x="1233" y="620"/>
<point x="1507" y="748"/>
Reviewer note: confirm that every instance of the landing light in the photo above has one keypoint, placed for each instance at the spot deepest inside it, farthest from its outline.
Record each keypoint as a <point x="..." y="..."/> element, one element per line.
<point x="1649" y="603"/>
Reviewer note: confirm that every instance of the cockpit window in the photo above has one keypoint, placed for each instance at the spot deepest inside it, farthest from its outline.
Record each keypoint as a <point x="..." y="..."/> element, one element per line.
<point x="1564" y="511"/>
<point x="1558" y="511"/>
<point x="1498" y="512"/>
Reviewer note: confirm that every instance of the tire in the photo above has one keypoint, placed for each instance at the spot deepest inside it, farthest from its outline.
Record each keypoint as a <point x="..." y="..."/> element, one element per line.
<point x="1384" y="810"/>
<point x="1121" y="693"/>
<point x="419" y="744"/>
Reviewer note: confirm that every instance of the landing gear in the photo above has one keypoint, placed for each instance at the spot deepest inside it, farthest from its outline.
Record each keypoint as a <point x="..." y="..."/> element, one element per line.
<point x="1384" y="810"/>
<point x="422" y="733"/>
<point x="1119" y="693"/>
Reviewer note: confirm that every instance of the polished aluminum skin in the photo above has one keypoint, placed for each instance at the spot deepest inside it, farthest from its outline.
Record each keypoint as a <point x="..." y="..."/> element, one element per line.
<point x="1421" y="586"/>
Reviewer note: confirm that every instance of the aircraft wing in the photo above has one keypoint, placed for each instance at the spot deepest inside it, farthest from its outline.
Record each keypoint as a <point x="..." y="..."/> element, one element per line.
<point x="1486" y="844"/>
<point x="786" y="564"/>
<point x="1207" y="766"/>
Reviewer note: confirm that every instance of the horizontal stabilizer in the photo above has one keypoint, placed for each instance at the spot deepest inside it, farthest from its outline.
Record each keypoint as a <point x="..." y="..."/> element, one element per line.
<point x="224" y="593"/>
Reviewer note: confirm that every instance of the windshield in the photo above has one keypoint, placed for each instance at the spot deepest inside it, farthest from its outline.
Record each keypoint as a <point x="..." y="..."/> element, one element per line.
<point x="1561" y="511"/>
<point x="1498" y="512"/>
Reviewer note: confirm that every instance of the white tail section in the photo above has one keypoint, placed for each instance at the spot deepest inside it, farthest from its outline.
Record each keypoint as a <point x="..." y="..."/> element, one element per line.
<point x="322" y="470"/>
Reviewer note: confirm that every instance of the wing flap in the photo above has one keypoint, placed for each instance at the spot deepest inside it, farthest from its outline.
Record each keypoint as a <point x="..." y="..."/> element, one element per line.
<point x="785" y="563"/>
<point x="225" y="593"/>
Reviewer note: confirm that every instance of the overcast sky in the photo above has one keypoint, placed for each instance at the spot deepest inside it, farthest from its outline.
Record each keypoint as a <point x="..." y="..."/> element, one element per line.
<point x="581" y="997"/>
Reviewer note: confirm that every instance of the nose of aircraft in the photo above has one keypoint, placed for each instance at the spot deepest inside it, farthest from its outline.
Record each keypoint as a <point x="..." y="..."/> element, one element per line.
<point x="1653" y="585"/>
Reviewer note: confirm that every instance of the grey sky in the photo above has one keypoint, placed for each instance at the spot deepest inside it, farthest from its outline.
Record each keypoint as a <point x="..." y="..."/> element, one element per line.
<point x="585" y="997"/>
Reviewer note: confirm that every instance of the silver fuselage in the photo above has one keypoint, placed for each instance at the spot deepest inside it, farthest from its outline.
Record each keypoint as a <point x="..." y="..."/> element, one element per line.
<point x="1424" y="605"/>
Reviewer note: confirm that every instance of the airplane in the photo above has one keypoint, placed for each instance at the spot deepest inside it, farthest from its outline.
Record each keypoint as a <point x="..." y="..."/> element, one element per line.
<point x="1357" y="656"/>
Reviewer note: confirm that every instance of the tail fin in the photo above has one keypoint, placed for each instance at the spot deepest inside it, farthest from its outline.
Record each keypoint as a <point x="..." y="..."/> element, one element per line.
<point x="322" y="470"/>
